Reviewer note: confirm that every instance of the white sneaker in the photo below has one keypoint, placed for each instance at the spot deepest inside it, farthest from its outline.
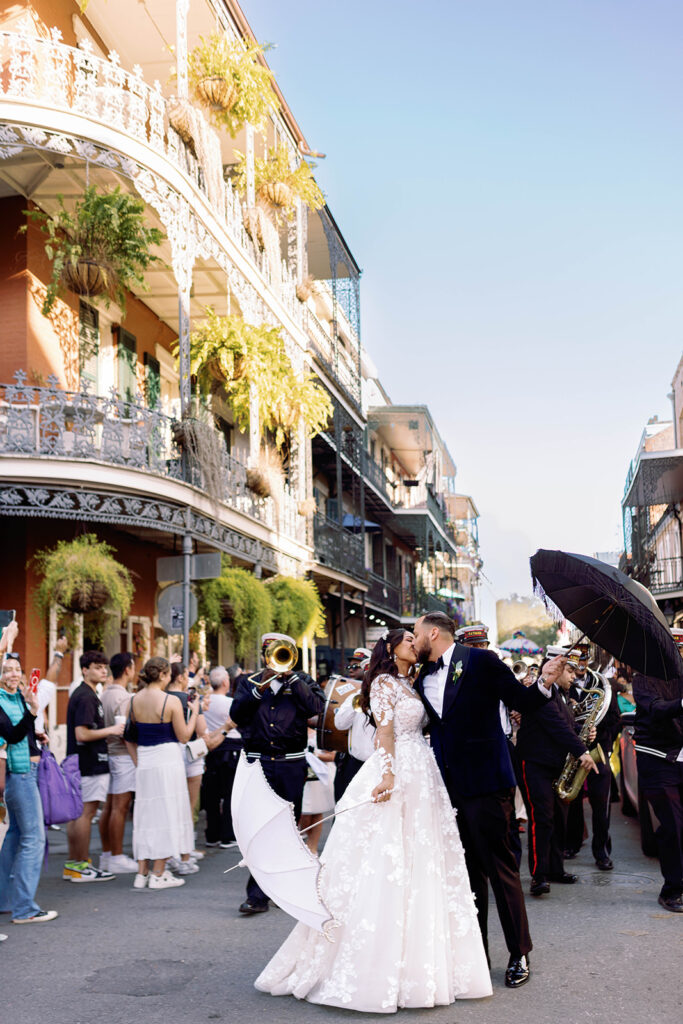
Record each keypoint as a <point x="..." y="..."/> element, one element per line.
<point x="104" y="861"/>
<point x="42" y="915"/>
<point x="140" y="881"/>
<point x="3" y="938"/>
<point x="164" y="881"/>
<point x="196" y="855"/>
<point x="119" y="864"/>
<point x="187" y="867"/>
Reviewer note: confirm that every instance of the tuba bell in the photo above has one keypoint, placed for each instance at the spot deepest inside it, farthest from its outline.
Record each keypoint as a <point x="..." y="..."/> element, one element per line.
<point x="280" y="656"/>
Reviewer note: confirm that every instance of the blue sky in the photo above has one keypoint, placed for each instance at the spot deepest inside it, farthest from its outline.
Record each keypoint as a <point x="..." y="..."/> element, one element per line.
<point x="509" y="175"/>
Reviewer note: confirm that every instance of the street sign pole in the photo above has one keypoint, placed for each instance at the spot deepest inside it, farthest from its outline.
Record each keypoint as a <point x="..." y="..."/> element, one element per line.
<point x="187" y="564"/>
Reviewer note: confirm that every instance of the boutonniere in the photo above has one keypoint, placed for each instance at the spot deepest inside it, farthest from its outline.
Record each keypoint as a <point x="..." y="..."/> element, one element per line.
<point x="457" y="672"/>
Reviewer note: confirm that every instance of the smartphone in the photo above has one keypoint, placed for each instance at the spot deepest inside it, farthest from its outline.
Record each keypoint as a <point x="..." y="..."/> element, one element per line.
<point x="6" y="617"/>
<point x="33" y="681"/>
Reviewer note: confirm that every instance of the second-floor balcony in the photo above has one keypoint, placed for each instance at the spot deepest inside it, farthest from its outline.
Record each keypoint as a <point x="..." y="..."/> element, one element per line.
<point x="56" y="426"/>
<point x="337" y="548"/>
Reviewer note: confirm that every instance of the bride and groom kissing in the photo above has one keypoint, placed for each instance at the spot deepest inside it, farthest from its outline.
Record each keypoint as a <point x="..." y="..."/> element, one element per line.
<point x="405" y="875"/>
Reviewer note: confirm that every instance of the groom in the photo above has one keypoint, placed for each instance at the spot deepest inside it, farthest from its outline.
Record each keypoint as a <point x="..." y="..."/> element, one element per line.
<point x="462" y="688"/>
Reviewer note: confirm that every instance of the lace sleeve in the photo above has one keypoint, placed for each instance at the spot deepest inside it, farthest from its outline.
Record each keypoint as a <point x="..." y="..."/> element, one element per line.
<point x="383" y="696"/>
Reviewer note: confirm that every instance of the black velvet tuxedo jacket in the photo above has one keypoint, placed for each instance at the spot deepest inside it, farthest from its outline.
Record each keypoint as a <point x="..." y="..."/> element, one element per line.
<point x="468" y="741"/>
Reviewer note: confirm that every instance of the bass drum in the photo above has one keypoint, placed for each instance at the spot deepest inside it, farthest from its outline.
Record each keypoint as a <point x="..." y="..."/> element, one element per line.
<point x="328" y="736"/>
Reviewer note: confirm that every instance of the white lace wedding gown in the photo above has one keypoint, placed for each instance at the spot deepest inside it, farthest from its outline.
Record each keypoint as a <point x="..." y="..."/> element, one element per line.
<point x="395" y="880"/>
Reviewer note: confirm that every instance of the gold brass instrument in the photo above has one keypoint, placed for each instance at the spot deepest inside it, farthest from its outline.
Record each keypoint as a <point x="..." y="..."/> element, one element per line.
<point x="280" y="655"/>
<point x="591" y="712"/>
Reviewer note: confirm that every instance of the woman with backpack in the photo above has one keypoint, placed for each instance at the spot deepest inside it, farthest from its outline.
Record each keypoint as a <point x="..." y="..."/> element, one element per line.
<point x="21" y="856"/>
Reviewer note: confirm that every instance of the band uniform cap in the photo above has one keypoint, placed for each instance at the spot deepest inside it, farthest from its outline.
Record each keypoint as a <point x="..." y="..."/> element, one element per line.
<point x="361" y="653"/>
<point x="677" y="634"/>
<point x="267" y="637"/>
<point x="578" y="658"/>
<point x="477" y="634"/>
<point x="554" y="650"/>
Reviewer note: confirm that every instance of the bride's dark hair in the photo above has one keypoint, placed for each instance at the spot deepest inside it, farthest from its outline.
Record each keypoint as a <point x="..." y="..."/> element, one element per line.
<point x="381" y="663"/>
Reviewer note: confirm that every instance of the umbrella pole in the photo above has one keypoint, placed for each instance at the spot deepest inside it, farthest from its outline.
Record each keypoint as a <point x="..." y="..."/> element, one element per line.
<point x="605" y="615"/>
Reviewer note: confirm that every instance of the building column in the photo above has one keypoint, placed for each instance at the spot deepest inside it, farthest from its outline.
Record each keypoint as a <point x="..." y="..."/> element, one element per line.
<point x="181" y="11"/>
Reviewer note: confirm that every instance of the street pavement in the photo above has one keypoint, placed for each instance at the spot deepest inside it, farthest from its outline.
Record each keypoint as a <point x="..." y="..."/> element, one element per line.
<point x="605" y="952"/>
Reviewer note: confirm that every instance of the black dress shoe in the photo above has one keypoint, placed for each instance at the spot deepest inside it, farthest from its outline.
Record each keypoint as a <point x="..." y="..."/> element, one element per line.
<point x="539" y="887"/>
<point x="569" y="854"/>
<point x="517" y="972"/>
<point x="253" y="908"/>
<point x="605" y="864"/>
<point x="564" y="879"/>
<point x="672" y="903"/>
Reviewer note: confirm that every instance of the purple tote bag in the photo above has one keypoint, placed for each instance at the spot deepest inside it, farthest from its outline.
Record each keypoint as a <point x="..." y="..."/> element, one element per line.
<point x="60" y="788"/>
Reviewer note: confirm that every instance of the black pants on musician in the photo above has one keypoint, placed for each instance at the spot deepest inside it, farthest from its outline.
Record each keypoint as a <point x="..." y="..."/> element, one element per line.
<point x="599" y="787"/>
<point x="287" y="779"/>
<point x="219" y="776"/>
<point x="485" y="824"/>
<point x="662" y="785"/>
<point x="347" y="769"/>
<point x="547" y="820"/>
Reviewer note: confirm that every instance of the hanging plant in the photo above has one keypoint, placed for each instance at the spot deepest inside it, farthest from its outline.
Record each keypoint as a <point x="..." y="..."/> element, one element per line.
<point x="228" y="77"/>
<point x="82" y="576"/>
<point x="237" y="594"/>
<point x="226" y="351"/>
<point x="101" y="248"/>
<point x="277" y="184"/>
<point x="297" y="608"/>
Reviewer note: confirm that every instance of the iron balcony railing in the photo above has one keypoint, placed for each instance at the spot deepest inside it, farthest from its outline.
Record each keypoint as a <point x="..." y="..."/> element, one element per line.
<point x="47" y="422"/>
<point x="382" y="592"/>
<point x="336" y="547"/>
<point x="47" y="73"/>
<point x="665" y="575"/>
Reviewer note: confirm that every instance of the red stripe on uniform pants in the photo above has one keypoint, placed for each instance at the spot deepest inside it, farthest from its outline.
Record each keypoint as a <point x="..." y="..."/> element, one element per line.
<point x="533" y="820"/>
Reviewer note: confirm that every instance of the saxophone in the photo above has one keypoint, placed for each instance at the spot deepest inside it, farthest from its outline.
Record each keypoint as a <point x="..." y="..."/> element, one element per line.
<point x="592" y="710"/>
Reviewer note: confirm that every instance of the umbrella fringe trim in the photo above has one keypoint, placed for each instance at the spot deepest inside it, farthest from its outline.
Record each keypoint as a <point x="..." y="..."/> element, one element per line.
<point x="551" y="608"/>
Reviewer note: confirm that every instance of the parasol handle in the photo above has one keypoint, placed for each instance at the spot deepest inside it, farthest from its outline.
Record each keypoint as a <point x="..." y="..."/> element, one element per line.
<point x="335" y="814"/>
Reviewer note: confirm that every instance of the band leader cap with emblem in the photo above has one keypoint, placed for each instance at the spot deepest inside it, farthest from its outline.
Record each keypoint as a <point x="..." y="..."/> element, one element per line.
<point x="267" y="637"/>
<point x="361" y="653"/>
<point x="677" y="634"/>
<point x="476" y="634"/>
<point x="578" y="657"/>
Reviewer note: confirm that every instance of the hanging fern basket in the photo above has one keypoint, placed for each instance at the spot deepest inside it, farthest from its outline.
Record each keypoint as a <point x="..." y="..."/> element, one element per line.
<point x="277" y="193"/>
<point x="217" y="91"/>
<point x="86" y="277"/>
<point x="88" y="596"/>
<point x="179" y="113"/>
<point x="258" y="482"/>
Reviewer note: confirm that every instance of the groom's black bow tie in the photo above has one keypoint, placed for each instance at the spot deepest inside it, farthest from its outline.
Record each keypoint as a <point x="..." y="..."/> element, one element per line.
<point x="433" y="666"/>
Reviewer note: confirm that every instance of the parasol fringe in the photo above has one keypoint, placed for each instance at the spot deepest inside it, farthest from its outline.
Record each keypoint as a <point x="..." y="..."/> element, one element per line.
<point x="551" y="608"/>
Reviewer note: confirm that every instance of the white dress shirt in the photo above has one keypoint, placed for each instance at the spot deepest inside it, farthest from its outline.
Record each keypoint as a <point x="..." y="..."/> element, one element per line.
<point x="361" y="729"/>
<point x="435" y="683"/>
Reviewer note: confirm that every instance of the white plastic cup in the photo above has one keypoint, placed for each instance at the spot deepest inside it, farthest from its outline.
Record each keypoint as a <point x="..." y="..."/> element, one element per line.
<point x="119" y="719"/>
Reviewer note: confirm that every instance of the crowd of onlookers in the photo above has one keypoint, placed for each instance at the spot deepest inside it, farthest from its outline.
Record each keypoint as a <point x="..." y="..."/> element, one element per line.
<point x="158" y="742"/>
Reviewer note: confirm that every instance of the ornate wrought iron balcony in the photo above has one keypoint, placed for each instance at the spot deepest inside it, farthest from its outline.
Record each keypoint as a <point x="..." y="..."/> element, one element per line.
<point x="50" y="423"/>
<point x="383" y="593"/>
<point x="337" y="547"/>
<point x="66" y="80"/>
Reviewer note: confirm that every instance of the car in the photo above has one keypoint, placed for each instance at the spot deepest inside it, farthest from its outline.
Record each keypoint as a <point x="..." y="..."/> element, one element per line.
<point x="633" y="802"/>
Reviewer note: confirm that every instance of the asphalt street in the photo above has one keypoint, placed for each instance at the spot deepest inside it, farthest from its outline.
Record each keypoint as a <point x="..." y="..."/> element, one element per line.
<point x="604" y="952"/>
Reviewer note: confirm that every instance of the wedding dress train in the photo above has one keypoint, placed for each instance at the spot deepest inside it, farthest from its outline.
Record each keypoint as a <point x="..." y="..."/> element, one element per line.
<point x="395" y="881"/>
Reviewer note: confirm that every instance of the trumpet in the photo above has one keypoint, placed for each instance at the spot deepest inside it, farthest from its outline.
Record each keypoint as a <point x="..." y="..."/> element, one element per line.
<point x="280" y="656"/>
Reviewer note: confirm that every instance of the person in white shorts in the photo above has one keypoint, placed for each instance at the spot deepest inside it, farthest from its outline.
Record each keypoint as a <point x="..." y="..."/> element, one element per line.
<point x="86" y="736"/>
<point x="116" y="703"/>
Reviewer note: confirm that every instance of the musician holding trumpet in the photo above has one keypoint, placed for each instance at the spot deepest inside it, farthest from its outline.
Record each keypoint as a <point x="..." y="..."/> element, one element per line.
<point x="545" y="737"/>
<point x="272" y="709"/>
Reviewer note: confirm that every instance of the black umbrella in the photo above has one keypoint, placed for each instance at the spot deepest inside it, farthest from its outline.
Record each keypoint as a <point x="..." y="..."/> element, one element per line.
<point x="610" y="608"/>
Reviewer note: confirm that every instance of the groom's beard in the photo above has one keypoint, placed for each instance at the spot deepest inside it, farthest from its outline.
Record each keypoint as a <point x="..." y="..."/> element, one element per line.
<point x="423" y="655"/>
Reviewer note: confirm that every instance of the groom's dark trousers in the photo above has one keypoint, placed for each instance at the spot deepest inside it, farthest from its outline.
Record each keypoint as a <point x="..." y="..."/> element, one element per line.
<point x="472" y="753"/>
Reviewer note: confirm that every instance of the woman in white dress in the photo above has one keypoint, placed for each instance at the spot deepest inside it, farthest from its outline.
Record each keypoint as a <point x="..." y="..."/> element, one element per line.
<point x="393" y="875"/>
<point x="162" y="820"/>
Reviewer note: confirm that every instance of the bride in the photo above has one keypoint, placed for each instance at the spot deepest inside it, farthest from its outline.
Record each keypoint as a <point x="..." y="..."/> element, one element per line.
<point x="393" y="873"/>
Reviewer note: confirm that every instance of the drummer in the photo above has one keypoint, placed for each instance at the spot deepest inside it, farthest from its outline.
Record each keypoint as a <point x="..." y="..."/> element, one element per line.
<point x="358" y="662"/>
<point x="361" y="734"/>
<point x="476" y="635"/>
<point x="348" y="763"/>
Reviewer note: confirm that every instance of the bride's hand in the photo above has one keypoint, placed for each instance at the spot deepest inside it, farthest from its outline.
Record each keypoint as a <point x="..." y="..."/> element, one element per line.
<point x="382" y="793"/>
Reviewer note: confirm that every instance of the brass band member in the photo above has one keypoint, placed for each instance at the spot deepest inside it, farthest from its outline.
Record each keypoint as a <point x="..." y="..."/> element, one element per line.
<point x="545" y="737"/>
<point x="271" y="709"/>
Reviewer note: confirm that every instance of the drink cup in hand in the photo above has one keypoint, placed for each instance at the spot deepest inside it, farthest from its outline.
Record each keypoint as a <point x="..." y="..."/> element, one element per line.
<point x="119" y="719"/>
<point x="33" y="681"/>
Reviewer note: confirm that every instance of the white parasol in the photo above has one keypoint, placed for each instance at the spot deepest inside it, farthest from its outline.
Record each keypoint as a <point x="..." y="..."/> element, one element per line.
<point x="273" y="850"/>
